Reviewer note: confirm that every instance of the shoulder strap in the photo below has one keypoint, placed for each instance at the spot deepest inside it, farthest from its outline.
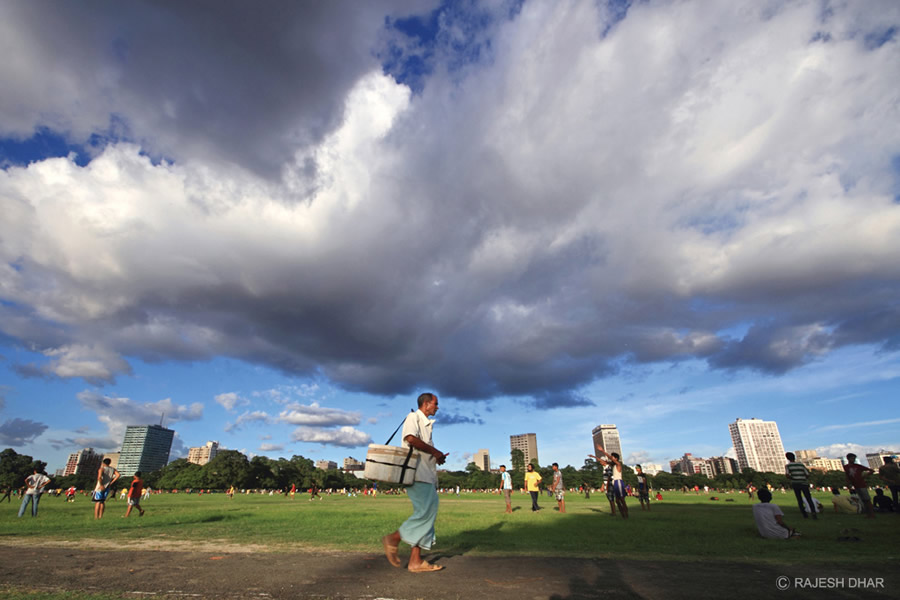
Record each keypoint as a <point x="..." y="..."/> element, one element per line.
<point x="388" y="443"/>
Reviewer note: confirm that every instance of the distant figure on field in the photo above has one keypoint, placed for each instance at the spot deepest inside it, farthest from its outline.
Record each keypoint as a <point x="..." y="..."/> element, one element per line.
<point x="106" y="476"/>
<point x="35" y="484"/>
<point x="798" y="475"/>
<point x="418" y="530"/>
<point x="532" y="485"/>
<point x="643" y="488"/>
<point x="769" y="520"/>
<point x="889" y="473"/>
<point x="506" y="487"/>
<point x="842" y="504"/>
<point x="856" y="477"/>
<point x="70" y="494"/>
<point x="134" y="494"/>
<point x="558" y="489"/>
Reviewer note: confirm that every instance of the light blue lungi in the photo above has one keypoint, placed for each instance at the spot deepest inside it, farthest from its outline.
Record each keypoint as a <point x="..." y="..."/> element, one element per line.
<point x="418" y="530"/>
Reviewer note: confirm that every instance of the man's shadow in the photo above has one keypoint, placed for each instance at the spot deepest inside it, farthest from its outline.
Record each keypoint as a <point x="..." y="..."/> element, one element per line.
<point x="466" y="541"/>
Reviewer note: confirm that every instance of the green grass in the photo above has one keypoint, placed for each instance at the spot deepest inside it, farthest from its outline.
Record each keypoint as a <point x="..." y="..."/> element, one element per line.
<point x="681" y="527"/>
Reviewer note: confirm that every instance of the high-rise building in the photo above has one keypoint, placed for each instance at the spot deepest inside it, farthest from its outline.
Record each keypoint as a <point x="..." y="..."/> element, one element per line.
<point x="607" y="437"/>
<point x="83" y="461"/>
<point x="326" y="465"/>
<point x="201" y="455"/>
<point x="145" y="448"/>
<point x="876" y="459"/>
<point x="758" y="445"/>
<point x="723" y="465"/>
<point x="527" y="443"/>
<point x="482" y="460"/>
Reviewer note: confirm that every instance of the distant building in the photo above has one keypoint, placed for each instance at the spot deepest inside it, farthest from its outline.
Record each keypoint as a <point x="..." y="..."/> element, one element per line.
<point x="83" y="461"/>
<point x="352" y="464"/>
<point x="723" y="465"/>
<point x="145" y="448"/>
<point x="876" y="459"/>
<point x="482" y="460"/>
<point x="607" y="437"/>
<point x="651" y="469"/>
<point x="805" y="456"/>
<point x="326" y="465"/>
<point x="527" y="443"/>
<point x="826" y="464"/>
<point x="201" y="455"/>
<point x="694" y="465"/>
<point x="758" y="445"/>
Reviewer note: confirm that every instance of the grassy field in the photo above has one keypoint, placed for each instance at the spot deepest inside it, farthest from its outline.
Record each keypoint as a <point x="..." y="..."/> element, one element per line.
<point x="681" y="527"/>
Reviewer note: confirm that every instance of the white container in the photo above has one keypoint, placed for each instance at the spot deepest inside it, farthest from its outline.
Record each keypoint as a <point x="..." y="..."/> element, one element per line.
<point x="391" y="464"/>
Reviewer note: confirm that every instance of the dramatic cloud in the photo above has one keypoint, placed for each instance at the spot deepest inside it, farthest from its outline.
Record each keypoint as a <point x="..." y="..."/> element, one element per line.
<point x="344" y="436"/>
<point x="17" y="432"/>
<point x="566" y="191"/>
<point x="117" y="413"/>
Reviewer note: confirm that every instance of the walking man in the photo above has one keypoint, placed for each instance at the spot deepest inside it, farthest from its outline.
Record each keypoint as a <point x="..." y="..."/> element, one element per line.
<point x="506" y="486"/>
<point x="643" y="488"/>
<point x="798" y="475"/>
<point x="35" y="484"/>
<point x="418" y="530"/>
<point x="532" y="484"/>
<point x="559" y="489"/>
<point x="134" y="494"/>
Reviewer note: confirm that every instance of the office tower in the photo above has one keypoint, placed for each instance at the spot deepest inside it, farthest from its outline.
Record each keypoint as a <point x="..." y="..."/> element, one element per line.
<point x="607" y="437"/>
<point x="482" y="460"/>
<point x="723" y="465"/>
<point x="83" y="461"/>
<point x="527" y="443"/>
<point x="201" y="455"/>
<point x="758" y="445"/>
<point x="145" y="448"/>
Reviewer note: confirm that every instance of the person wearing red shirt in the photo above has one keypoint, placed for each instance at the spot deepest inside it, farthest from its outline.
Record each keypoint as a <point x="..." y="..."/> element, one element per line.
<point x="134" y="494"/>
<point x="856" y="477"/>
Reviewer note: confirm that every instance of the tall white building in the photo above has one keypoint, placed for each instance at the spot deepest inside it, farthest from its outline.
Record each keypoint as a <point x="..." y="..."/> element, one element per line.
<point x="758" y="445"/>
<point x="482" y="460"/>
<point x="527" y="443"/>
<point x="607" y="437"/>
<point x="145" y="448"/>
<point x="201" y="455"/>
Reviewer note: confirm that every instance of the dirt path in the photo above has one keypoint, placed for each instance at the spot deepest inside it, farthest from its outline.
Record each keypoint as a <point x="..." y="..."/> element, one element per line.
<point x="240" y="575"/>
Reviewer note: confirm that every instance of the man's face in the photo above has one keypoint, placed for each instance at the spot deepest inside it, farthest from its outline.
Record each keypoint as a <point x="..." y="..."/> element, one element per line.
<point x="430" y="407"/>
<point x="555" y="468"/>
<point x="503" y="469"/>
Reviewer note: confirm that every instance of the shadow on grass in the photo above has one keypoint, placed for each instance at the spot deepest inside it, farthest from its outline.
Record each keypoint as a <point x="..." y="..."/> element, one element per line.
<point x="466" y="541"/>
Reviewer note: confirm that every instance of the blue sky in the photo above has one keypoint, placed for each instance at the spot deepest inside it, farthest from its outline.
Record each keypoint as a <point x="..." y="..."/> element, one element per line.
<point x="554" y="215"/>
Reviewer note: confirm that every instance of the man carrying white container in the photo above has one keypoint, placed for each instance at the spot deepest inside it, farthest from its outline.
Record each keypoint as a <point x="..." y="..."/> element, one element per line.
<point x="418" y="530"/>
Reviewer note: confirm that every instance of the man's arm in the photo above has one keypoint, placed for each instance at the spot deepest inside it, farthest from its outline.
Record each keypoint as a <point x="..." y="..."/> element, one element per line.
<point x="418" y="444"/>
<point x="115" y="477"/>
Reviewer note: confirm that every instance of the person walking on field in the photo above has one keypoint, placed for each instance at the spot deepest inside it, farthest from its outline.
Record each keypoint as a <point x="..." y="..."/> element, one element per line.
<point x="134" y="494"/>
<point x="798" y="475"/>
<point x="35" y="483"/>
<point x="559" y="489"/>
<point x="106" y="476"/>
<point x="532" y="485"/>
<point x="418" y="530"/>
<point x="643" y="488"/>
<point x="856" y="478"/>
<point x="506" y="486"/>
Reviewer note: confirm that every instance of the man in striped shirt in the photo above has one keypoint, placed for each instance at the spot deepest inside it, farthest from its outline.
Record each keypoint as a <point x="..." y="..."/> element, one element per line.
<point x="798" y="475"/>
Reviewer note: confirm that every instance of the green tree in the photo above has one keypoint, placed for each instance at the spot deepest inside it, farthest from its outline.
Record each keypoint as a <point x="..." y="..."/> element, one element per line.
<point x="15" y="467"/>
<point x="517" y="460"/>
<point x="228" y="468"/>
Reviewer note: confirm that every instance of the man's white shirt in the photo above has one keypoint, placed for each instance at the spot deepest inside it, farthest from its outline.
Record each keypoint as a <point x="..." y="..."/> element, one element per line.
<point x="419" y="425"/>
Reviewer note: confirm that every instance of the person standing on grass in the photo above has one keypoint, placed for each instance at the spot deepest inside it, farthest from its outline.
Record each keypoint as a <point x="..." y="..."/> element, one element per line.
<point x="134" y="494"/>
<point x="769" y="520"/>
<point x="532" y="485"/>
<point x="856" y="478"/>
<point x="607" y="482"/>
<point x="106" y="476"/>
<point x="798" y="475"/>
<point x="618" y="485"/>
<point x="35" y="484"/>
<point x="506" y="486"/>
<point x="418" y="530"/>
<point x="889" y="473"/>
<point x="559" y="489"/>
<point x="643" y="488"/>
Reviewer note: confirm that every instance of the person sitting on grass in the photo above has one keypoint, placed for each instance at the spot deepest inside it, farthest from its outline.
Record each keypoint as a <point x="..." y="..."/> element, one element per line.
<point x="768" y="517"/>
<point x="841" y="504"/>
<point x="882" y="503"/>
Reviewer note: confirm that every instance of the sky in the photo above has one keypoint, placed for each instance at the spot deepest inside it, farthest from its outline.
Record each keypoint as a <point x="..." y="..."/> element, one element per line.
<point x="275" y="226"/>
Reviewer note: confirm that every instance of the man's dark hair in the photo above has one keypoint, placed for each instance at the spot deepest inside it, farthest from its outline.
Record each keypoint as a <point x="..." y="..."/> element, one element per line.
<point x="425" y="397"/>
<point x="137" y="473"/>
<point x="764" y="495"/>
<point x="888" y="460"/>
<point x="107" y="461"/>
<point x="835" y="491"/>
<point x="502" y="466"/>
<point x="615" y="455"/>
<point x="851" y="455"/>
<point x="790" y="456"/>
<point x="555" y="464"/>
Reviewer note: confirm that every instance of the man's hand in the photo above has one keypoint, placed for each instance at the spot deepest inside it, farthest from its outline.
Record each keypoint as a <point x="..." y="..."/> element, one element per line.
<point x="440" y="456"/>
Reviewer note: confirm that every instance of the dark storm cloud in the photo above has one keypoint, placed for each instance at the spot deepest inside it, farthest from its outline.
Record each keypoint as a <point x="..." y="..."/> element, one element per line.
<point x="18" y="432"/>
<point x="230" y="80"/>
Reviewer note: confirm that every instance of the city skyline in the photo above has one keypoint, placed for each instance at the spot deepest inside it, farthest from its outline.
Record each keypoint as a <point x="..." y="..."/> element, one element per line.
<point x="550" y="214"/>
